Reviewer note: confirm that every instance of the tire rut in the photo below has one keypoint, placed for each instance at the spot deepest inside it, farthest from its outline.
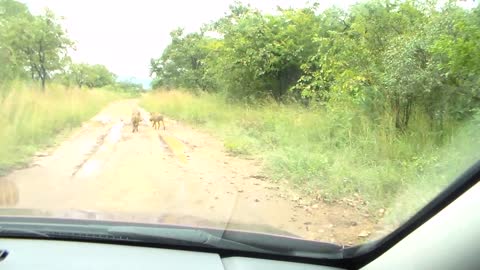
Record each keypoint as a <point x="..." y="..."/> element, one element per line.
<point x="92" y="152"/>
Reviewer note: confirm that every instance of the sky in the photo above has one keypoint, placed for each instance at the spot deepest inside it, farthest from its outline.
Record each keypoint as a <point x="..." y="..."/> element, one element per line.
<point x="124" y="35"/>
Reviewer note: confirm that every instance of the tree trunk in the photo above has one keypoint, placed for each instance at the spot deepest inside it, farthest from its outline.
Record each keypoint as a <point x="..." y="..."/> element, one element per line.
<point x="42" y="70"/>
<point x="43" y="84"/>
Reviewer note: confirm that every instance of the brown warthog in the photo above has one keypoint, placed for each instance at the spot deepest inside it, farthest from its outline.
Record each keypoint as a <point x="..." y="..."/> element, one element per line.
<point x="136" y="119"/>
<point x="156" y="118"/>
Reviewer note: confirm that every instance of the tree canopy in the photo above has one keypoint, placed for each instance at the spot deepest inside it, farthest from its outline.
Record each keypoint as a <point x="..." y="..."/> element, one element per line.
<point x="383" y="55"/>
<point x="35" y="47"/>
<point x="91" y="76"/>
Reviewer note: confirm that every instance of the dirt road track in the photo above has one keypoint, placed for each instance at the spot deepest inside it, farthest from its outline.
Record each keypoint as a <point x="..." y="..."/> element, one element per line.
<point x="103" y="167"/>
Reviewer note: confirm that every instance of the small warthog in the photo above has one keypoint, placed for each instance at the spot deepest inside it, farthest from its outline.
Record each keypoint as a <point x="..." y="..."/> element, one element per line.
<point x="136" y="119"/>
<point x="156" y="118"/>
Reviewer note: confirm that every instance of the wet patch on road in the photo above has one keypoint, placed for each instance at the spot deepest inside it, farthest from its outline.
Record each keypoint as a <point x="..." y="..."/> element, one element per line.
<point x="175" y="146"/>
<point x="89" y="166"/>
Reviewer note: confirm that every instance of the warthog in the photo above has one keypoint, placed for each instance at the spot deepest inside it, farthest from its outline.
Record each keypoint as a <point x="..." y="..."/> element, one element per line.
<point x="156" y="118"/>
<point x="136" y="119"/>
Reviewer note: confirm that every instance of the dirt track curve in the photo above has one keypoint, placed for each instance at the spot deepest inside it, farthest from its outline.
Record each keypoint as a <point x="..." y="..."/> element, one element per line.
<point x="104" y="168"/>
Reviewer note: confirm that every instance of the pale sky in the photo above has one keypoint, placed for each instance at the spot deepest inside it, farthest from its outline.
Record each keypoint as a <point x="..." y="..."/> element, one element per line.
<point x="124" y="34"/>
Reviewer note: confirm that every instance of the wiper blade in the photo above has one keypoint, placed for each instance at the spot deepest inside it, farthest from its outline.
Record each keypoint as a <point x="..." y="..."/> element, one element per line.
<point x="229" y="240"/>
<point x="178" y="236"/>
<point x="13" y="232"/>
<point x="288" y="245"/>
<point x="174" y="236"/>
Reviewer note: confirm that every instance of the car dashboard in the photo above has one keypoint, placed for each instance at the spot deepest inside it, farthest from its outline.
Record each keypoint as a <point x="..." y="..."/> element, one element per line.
<point x="52" y="255"/>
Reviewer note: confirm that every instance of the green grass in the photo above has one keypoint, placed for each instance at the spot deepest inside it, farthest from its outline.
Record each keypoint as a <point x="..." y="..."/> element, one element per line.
<point x="337" y="151"/>
<point x="31" y="119"/>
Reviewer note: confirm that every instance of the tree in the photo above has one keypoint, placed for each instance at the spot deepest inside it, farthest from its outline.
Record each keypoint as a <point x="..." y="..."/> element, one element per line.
<point x="91" y="76"/>
<point x="391" y="59"/>
<point x="128" y="86"/>
<point x="182" y="64"/>
<point x="79" y="74"/>
<point x="264" y="52"/>
<point x="100" y="76"/>
<point x="12" y="65"/>
<point x="40" y="44"/>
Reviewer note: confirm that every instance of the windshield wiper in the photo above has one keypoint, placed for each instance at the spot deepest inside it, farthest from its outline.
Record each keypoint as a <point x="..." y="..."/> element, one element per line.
<point x="13" y="232"/>
<point x="187" y="237"/>
<point x="176" y="236"/>
<point x="231" y="240"/>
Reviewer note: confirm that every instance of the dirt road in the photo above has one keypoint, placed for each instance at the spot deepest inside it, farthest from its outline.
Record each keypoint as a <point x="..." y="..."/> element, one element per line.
<point x="105" y="168"/>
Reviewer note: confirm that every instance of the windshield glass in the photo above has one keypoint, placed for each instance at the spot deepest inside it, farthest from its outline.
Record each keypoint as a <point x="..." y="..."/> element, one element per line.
<point x="325" y="122"/>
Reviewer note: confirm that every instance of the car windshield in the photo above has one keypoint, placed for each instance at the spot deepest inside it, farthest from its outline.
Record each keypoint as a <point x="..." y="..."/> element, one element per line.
<point x="250" y="125"/>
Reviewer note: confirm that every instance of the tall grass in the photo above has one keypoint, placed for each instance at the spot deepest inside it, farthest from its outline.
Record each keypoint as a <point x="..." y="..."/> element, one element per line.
<point x="30" y="119"/>
<point x="337" y="151"/>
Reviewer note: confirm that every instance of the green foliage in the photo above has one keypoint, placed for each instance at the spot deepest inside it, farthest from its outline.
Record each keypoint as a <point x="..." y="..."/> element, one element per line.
<point x="375" y="97"/>
<point x="452" y="159"/>
<point x="35" y="48"/>
<point x="91" y="76"/>
<point x="183" y="62"/>
<point x="387" y="57"/>
<point x="335" y="150"/>
<point x="37" y="44"/>
<point x="264" y="52"/>
<point x="12" y="65"/>
<point x="131" y="88"/>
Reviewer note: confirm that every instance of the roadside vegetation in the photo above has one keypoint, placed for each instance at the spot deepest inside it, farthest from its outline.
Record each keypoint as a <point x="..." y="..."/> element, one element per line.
<point x="377" y="104"/>
<point x="333" y="153"/>
<point x="379" y="101"/>
<point x="42" y="91"/>
<point x="31" y="119"/>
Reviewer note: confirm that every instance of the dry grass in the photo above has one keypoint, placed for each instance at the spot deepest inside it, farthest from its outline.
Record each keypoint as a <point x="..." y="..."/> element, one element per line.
<point x="31" y="119"/>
